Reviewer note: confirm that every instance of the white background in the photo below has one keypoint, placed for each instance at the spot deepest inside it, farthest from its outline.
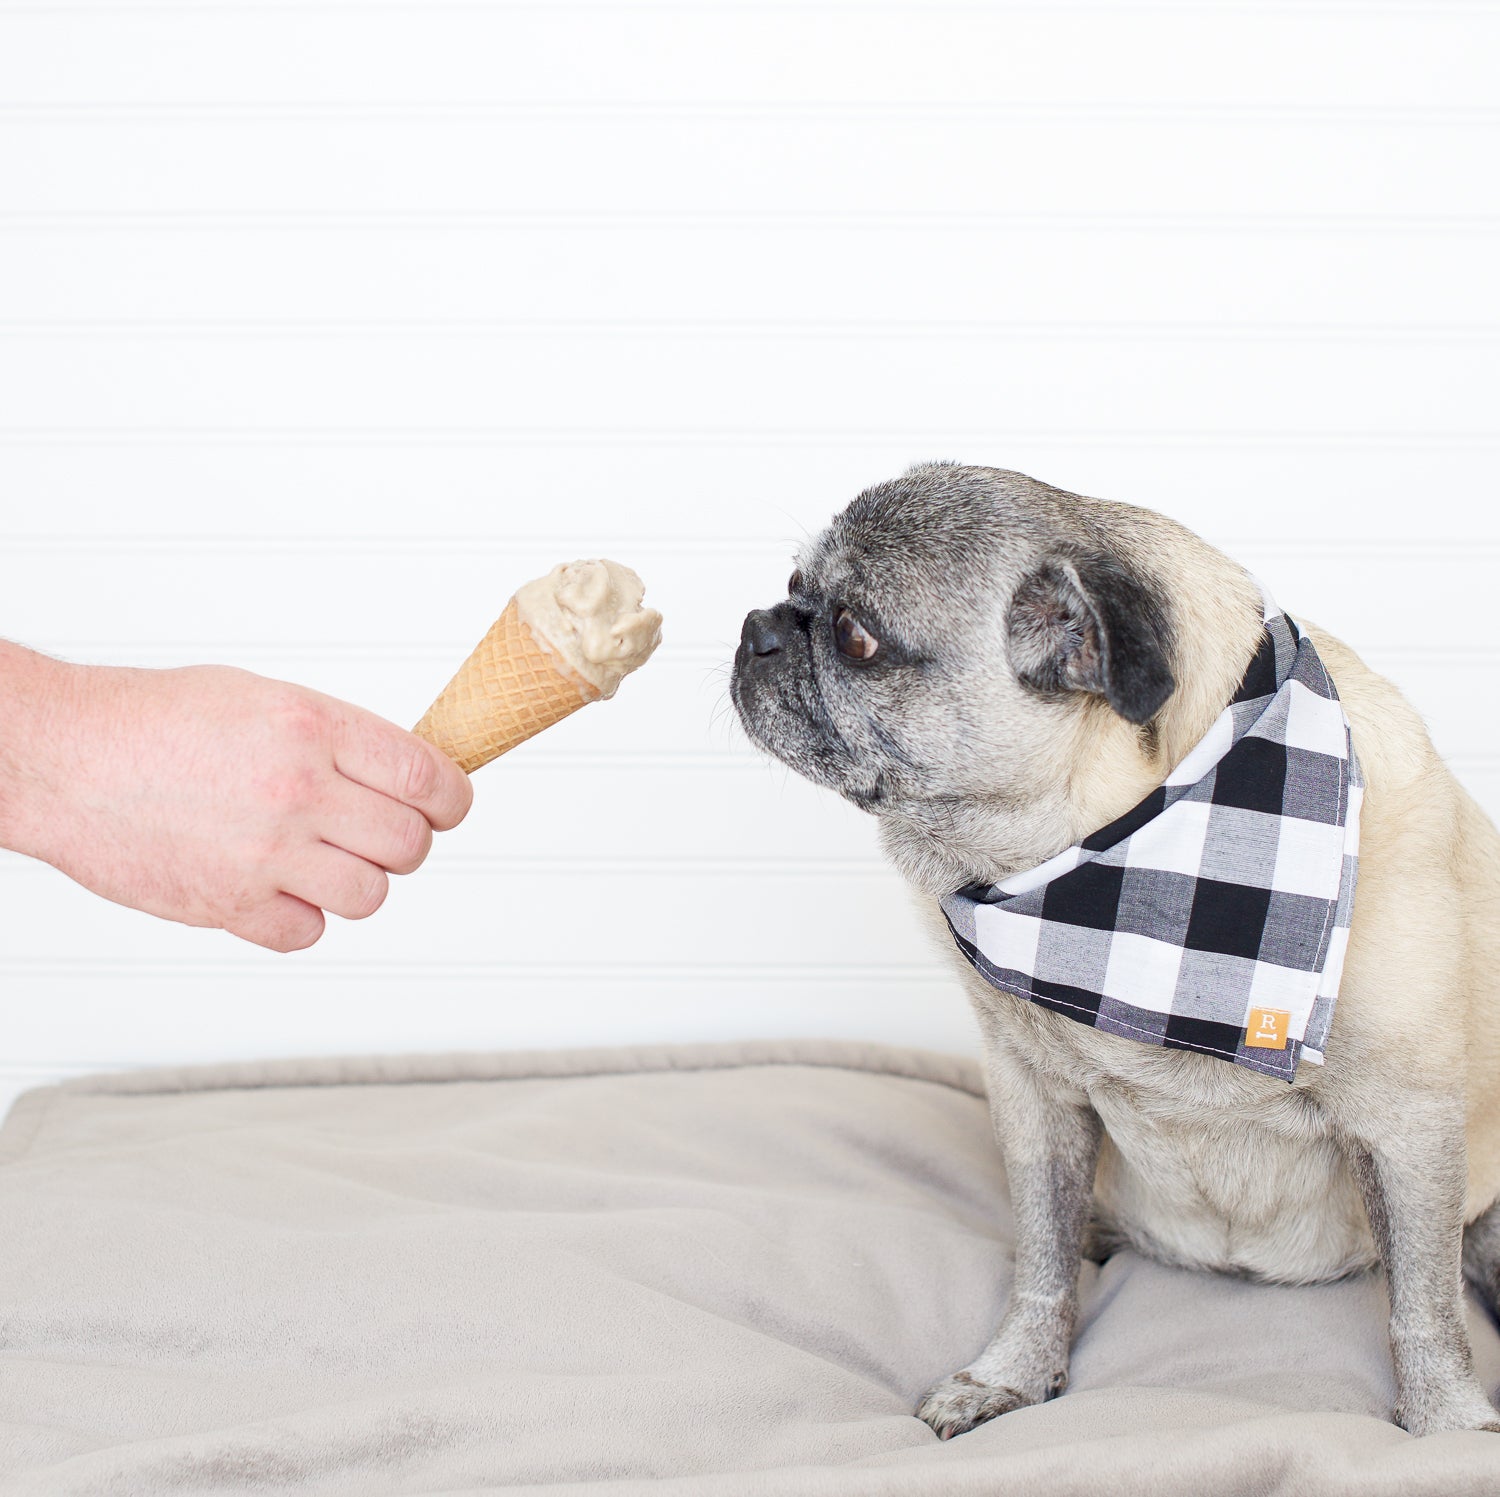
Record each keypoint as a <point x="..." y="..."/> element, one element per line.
<point x="323" y="325"/>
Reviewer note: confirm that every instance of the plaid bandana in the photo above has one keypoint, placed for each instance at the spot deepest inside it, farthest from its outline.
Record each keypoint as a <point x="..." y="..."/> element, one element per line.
<point x="1214" y="916"/>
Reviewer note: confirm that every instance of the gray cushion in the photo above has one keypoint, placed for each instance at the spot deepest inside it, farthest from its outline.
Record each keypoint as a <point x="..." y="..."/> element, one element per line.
<point x="693" y="1269"/>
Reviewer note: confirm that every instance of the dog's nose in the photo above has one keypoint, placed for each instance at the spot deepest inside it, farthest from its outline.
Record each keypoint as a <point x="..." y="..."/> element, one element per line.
<point x="761" y="634"/>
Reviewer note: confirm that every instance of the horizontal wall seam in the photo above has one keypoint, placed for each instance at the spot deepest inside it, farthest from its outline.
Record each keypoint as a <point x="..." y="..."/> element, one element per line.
<point x="471" y="544"/>
<point x="768" y="111"/>
<point x="919" y="220"/>
<point x="575" y="868"/>
<point x="448" y="650"/>
<point x="516" y="437"/>
<point x="751" y="330"/>
<point x="450" y="971"/>
<point x="529" y="759"/>
<point x="759" y="7"/>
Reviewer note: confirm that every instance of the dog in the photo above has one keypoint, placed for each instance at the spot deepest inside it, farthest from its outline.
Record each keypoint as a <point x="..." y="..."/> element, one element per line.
<point x="996" y="669"/>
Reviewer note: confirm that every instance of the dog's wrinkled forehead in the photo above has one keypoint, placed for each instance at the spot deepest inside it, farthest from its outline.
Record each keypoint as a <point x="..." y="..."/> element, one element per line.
<point x="927" y="548"/>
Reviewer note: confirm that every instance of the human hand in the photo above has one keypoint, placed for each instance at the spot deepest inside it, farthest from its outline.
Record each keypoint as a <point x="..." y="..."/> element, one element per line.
<point x="216" y="797"/>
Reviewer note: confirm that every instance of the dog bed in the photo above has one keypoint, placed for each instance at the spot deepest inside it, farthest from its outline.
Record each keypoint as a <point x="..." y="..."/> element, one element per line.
<point x="686" y="1270"/>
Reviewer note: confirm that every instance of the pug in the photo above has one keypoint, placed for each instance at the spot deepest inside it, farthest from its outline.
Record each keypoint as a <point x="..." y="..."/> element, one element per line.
<point x="996" y="669"/>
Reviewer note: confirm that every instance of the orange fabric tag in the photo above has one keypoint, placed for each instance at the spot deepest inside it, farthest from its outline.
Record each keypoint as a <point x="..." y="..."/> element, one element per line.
<point x="1266" y="1029"/>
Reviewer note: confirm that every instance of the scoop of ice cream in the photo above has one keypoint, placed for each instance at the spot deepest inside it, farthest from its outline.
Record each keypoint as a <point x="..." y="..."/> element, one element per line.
<point x="590" y="613"/>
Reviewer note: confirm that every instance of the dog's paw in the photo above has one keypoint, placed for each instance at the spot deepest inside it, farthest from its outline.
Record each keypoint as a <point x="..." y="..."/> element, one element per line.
<point x="960" y="1402"/>
<point x="1463" y="1405"/>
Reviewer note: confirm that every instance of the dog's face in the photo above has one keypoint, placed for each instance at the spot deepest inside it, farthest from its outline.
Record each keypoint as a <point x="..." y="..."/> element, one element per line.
<point x="945" y="637"/>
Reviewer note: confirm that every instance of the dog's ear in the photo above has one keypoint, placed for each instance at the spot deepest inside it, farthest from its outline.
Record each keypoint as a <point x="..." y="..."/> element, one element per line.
<point x="1084" y="623"/>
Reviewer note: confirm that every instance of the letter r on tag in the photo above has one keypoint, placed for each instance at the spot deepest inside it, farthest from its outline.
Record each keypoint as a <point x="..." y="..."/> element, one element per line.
<point x="1266" y="1028"/>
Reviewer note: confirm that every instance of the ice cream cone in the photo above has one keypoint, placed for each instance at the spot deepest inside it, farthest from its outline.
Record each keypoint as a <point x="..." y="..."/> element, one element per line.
<point x="511" y="687"/>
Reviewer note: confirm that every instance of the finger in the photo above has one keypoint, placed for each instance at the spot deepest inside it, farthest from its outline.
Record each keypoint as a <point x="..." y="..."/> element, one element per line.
<point x="337" y="881"/>
<point x="282" y="923"/>
<point x="376" y="753"/>
<point x="372" y="826"/>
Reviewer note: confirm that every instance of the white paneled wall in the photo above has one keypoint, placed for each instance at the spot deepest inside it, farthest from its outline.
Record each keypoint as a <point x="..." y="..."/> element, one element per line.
<point x="323" y="325"/>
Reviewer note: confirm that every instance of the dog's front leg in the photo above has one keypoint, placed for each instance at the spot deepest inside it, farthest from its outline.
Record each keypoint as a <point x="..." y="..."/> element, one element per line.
<point x="1413" y="1181"/>
<point x="1050" y="1144"/>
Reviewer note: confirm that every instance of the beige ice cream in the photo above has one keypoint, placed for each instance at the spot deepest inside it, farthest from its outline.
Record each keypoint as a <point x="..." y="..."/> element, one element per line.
<point x="590" y="613"/>
<point x="565" y="640"/>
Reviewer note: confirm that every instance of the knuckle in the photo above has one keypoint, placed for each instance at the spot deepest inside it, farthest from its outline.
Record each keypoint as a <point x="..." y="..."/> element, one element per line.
<point x="465" y="799"/>
<point x="263" y="864"/>
<point x="299" y="717"/>
<point x="369" y="895"/>
<point x="282" y="933"/>
<point x="294" y="788"/>
<point x="252" y="911"/>
<point x="300" y="931"/>
<point x="413" y="843"/>
<point x="419" y="775"/>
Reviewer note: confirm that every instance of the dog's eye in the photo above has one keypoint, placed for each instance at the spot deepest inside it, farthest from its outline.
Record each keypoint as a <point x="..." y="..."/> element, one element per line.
<point x="793" y="583"/>
<point x="855" y="642"/>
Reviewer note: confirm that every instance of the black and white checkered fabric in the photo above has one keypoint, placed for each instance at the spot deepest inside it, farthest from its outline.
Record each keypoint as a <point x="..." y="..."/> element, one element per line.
<point x="1214" y="916"/>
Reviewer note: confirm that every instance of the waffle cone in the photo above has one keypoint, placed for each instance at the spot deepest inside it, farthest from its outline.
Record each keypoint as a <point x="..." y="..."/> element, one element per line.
<point x="509" y="688"/>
